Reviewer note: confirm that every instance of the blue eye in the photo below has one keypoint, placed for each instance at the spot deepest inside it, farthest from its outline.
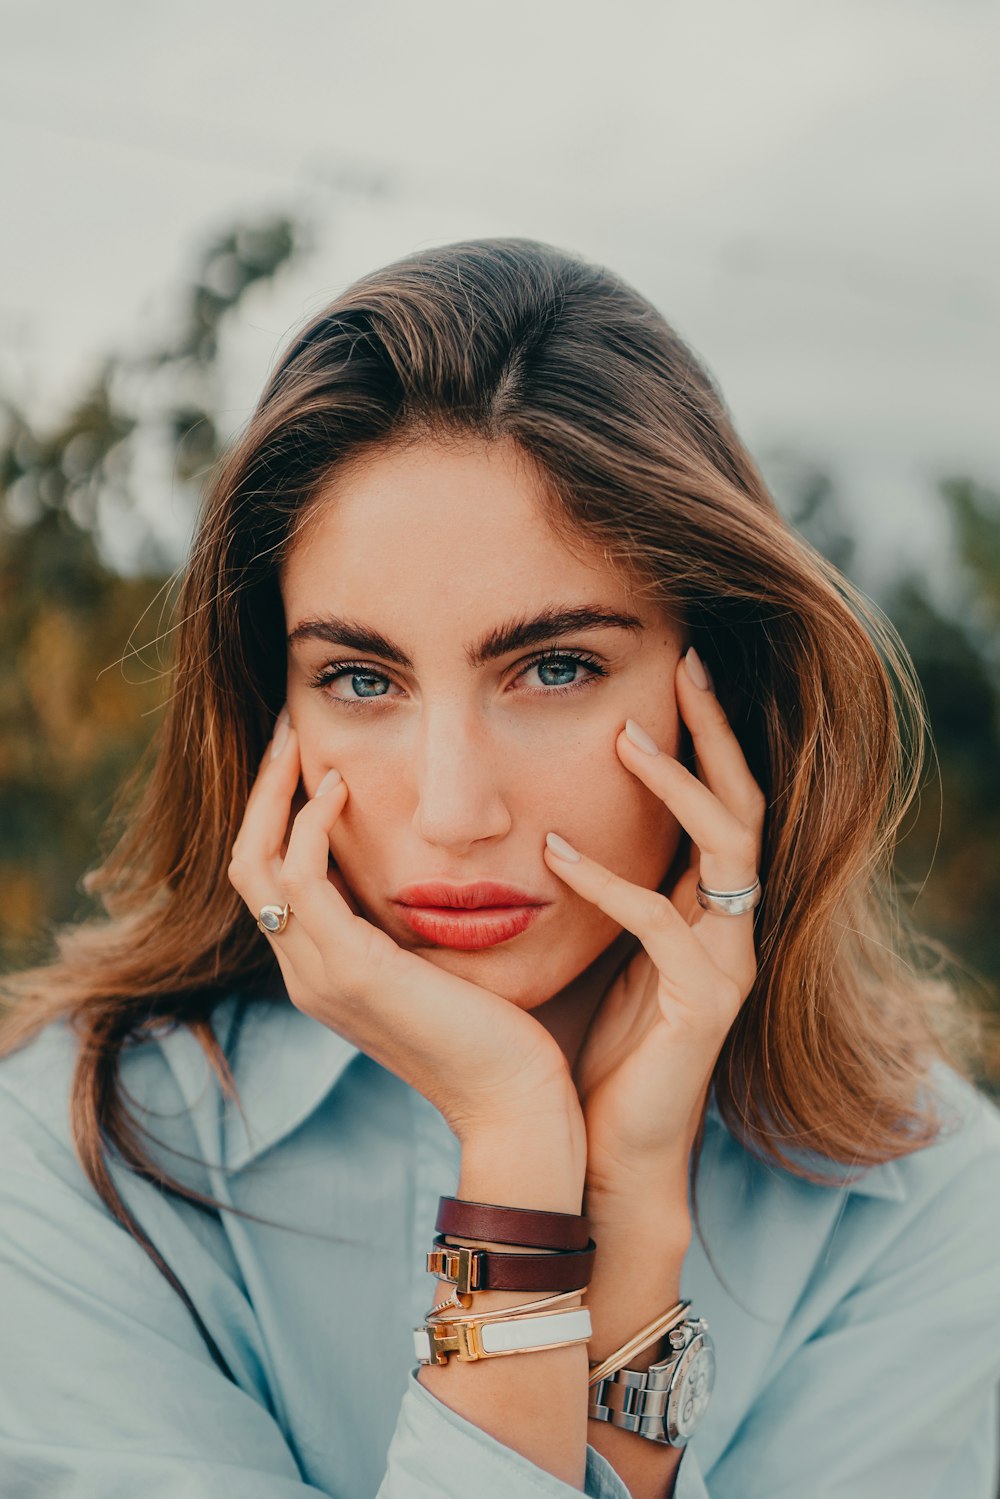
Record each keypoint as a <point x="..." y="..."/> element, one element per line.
<point x="360" y="671"/>
<point x="357" y="672"/>
<point x="563" y="661"/>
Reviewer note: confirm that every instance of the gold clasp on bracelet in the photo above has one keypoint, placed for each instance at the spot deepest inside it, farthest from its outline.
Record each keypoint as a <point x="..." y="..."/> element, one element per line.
<point x="460" y="1265"/>
<point x="464" y="1339"/>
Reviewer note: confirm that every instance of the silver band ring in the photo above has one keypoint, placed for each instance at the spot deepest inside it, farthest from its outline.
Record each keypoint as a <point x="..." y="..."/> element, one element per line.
<point x="729" y="902"/>
<point x="273" y="919"/>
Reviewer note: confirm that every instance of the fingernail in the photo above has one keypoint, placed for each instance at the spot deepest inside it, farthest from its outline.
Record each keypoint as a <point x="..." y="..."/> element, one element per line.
<point x="561" y="848"/>
<point x="697" y="670"/>
<point x="283" y="717"/>
<point x="280" y="735"/>
<point x="638" y="736"/>
<point x="331" y="779"/>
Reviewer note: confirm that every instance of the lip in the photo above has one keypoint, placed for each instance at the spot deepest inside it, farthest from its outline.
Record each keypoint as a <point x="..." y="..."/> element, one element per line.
<point x="493" y="893"/>
<point x="476" y="927"/>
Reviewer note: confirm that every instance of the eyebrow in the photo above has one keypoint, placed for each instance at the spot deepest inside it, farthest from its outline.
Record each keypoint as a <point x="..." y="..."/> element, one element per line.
<point x="513" y="635"/>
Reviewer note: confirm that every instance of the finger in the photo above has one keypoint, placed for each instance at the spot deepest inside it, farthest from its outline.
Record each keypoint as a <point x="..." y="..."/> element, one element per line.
<point x="292" y="946"/>
<point x="274" y="744"/>
<point x="304" y="874"/>
<point x="730" y="850"/>
<point x="321" y="921"/>
<point x="684" y="965"/>
<point x="268" y="809"/>
<point x="720" y="756"/>
<point x="255" y="863"/>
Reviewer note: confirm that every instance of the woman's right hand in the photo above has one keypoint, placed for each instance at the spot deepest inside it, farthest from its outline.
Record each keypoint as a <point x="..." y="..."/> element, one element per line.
<point x="479" y="1059"/>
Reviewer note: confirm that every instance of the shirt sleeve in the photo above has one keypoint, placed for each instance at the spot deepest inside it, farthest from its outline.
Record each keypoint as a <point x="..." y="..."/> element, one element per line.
<point x="436" y="1453"/>
<point x="108" y="1391"/>
<point x="895" y="1395"/>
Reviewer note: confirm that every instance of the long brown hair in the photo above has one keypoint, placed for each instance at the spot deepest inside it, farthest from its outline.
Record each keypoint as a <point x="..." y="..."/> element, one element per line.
<point x="514" y="339"/>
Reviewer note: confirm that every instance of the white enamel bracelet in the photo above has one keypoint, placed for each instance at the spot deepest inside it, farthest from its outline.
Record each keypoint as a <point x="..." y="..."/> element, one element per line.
<point x="481" y="1338"/>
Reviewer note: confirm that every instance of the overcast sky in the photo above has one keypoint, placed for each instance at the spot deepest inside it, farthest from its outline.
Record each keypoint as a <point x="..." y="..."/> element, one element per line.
<point x="807" y="191"/>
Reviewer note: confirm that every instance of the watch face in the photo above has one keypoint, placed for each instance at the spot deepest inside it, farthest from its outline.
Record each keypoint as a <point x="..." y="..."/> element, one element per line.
<point x="690" y="1389"/>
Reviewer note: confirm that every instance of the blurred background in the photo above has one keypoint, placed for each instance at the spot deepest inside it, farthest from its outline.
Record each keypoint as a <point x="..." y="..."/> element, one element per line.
<point x="803" y="190"/>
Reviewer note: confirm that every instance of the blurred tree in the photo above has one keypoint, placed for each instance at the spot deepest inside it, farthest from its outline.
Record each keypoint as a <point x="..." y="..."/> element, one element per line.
<point x="947" y="859"/>
<point x="953" y="841"/>
<point x="74" y="717"/>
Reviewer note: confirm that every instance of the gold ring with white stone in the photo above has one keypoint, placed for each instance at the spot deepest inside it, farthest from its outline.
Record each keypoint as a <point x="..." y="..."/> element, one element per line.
<point x="273" y="919"/>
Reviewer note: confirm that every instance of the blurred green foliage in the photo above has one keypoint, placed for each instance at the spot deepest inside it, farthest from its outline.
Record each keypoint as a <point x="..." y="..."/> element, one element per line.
<point x="84" y="677"/>
<point x="953" y="846"/>
<point x="948" y="857"/>
<point x="79" y="695"/>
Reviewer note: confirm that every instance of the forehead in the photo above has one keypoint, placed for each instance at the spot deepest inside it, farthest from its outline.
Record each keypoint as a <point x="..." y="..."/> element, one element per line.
<point x="461" y="525"/>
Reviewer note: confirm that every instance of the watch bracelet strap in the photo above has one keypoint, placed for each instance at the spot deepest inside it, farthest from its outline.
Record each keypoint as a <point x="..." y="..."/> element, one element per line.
<point x="642" y="1411"/>
<point x="494" y="1337"/>
<point x="475" y="1269"/>
<point x="529" y="1228"/>
<point x="638" y="1400"/>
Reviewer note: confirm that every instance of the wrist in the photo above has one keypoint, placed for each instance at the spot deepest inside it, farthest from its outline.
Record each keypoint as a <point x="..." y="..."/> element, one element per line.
<point x="537" y="1170"/>
<point x="615" y="1321"/>
<point x="645" y="1250"/>
<point x="654" y="1199"/>
<point x="549" y="1106"/>
<point x="637" y="1275"/>
<point x="610" y="1334"/>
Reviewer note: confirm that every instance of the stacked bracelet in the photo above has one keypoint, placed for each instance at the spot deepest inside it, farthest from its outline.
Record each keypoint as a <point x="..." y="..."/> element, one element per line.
<point x="563" y="1265"/>
<point x="663" y="1403"/>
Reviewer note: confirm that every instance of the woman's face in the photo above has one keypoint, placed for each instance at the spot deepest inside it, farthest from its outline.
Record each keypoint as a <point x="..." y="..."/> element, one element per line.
<point x="456" y="768"/>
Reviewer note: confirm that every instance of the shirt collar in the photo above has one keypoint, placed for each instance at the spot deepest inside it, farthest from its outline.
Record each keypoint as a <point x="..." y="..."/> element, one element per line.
<point x="286" y="1063"/>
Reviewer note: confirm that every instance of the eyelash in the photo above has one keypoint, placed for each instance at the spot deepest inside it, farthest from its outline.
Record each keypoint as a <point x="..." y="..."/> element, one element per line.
<point x="329" y="674"/>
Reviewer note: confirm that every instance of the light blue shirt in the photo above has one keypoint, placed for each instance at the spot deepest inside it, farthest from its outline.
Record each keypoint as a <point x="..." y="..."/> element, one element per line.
<point x="857" y="1330"/>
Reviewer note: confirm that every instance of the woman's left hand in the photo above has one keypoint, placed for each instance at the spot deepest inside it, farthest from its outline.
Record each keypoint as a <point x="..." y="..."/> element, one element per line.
<point x="646" y="1062"/>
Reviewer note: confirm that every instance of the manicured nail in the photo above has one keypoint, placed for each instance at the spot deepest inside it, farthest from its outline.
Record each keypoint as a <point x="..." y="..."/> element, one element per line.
<point x="331" y="779"/>
<point x="280" y="735"/>
<point x="697" y="670"/>
<point x="638" y="736"/>
<point x="283" y="717"/>
<point x="561" y="848"/>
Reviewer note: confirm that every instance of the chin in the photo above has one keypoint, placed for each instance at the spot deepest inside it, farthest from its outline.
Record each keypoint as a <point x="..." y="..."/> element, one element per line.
<point x="514" y="976"/>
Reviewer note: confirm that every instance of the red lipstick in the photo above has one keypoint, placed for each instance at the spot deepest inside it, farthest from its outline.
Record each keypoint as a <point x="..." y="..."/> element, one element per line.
<point x="468" y="916"/>
<point x="467" y="897"/>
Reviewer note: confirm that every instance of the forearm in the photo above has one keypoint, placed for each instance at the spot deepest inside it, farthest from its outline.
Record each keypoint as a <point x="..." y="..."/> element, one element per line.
<point x="534" y="1403"/>
<point x="637" y="1274"/>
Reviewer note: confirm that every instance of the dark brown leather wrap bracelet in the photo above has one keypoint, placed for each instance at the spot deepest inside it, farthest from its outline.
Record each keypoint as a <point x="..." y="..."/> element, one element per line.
<point x="474" y="1269"/>
<point x="529" y="1228"/>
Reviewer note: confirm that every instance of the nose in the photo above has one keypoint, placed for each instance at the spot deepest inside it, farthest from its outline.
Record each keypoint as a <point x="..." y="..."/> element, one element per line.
<point x="458" y="797"/>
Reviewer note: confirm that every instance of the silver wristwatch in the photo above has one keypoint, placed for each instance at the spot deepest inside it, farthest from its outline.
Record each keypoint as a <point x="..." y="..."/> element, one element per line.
<point x="666" y="1401"/>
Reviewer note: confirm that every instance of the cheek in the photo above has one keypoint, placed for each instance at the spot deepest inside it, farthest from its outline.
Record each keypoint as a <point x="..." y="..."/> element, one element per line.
<point x="639" y="833"/>
<point x="323" y="745"/>
<point x="608" y="813"/>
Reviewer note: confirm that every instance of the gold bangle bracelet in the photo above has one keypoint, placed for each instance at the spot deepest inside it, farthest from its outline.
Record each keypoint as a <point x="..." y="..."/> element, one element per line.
<point x="640" y="1340"/>
<point x="504" y="1313"/>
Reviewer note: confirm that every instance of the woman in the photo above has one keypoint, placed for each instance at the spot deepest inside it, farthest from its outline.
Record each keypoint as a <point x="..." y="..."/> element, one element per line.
<point x="489" y="609"/>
